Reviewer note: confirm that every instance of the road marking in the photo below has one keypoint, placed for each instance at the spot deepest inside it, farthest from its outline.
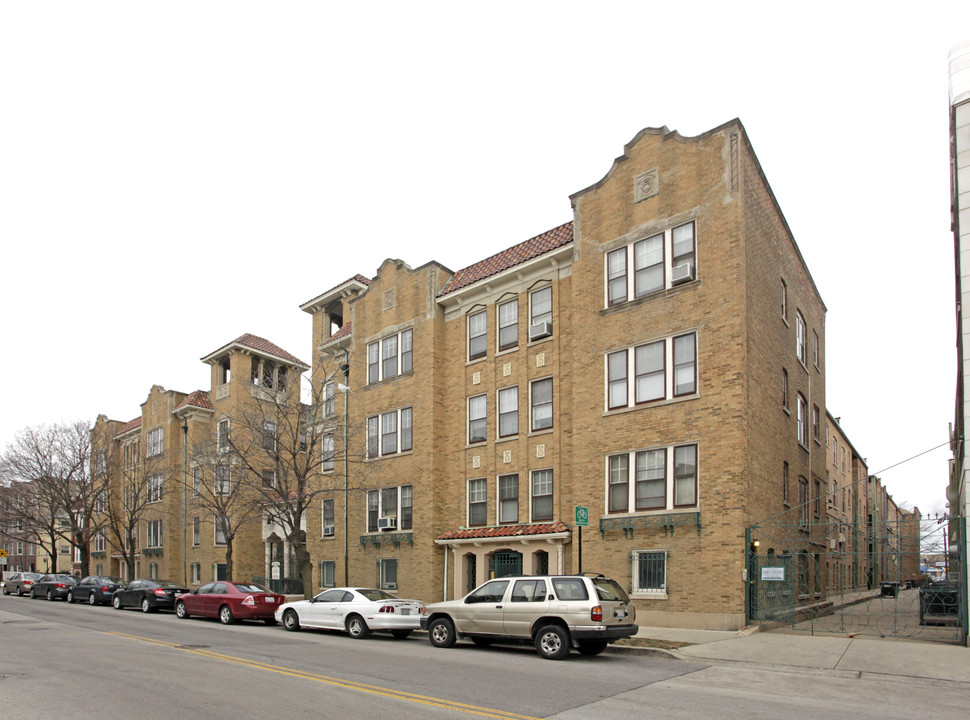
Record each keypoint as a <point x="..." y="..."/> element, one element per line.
<point x="337" y="682"/>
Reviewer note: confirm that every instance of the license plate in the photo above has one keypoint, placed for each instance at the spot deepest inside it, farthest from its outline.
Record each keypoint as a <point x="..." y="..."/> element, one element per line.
<point x="405" y="611"/>
<point x="270" y="600"/>
<point x="620" y="613"/>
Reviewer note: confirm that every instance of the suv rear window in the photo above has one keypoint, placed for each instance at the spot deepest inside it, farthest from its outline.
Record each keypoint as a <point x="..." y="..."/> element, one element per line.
<point x="570" y="589"/>
<point x="610" y="590"/>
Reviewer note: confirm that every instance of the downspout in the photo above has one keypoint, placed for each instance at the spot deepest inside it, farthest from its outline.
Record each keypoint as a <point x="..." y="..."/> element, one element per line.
<point x="185" y="480"/>
<point x="346" y="369"/>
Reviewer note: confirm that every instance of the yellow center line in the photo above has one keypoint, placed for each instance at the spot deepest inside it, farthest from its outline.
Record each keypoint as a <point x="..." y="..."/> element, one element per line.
<point x="337" y="682"/>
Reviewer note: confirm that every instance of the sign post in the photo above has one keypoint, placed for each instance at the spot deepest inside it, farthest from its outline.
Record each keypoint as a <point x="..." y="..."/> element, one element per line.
<point x="582" y="520"/>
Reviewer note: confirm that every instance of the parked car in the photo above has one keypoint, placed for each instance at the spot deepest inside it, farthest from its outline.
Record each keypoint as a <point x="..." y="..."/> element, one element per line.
<point x="554" y="612"/>
<point x="230" y="601"/>
<point x="19" y="582"/>
<point x="95" y="590"/>
<point x="357" y="611"/>
<point x="53" y="587"/>
<point x="149" y="595"/>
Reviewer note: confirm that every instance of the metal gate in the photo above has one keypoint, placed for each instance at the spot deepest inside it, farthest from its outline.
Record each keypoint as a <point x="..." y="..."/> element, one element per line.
<point x="897" y="578"/>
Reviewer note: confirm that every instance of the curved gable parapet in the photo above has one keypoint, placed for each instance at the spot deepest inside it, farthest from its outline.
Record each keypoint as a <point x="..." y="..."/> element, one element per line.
<point x="665" y="134"/>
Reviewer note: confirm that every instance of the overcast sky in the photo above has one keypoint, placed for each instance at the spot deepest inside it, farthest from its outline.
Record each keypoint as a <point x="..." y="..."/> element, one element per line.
<point x="173" y="175"/>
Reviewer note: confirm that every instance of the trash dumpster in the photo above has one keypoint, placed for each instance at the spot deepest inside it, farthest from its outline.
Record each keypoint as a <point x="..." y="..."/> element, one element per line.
<point x="889" y="589"/>
<point x="939" y="603"/>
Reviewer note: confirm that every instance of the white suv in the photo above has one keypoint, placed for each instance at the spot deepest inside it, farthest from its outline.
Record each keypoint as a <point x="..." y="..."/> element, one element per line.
<point x="555" y="612"/>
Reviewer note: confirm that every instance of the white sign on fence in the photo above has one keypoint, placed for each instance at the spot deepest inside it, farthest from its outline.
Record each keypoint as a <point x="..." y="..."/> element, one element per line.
<point x="776" y="574"/>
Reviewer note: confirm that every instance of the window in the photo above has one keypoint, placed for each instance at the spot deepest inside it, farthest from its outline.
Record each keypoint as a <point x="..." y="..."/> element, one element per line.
<point x="100" y="543"/>
<point x="653" y="269"/>
<point x="815" y="422"/>
<point x="815" y="349"/>
<point x="389" y="357"/>
<point x="800" y="337"/>
<point x="664" y="478"/>
<point x="508" y="411"/>
<point x="528" y="591"/>
<point x="326" y="453"/>
<point x="222" y="438"/>
<point x="389" y="433"/>
<point x="196" y="573"/>
<point x="154" y="488"/>
<point x="221" y="529"/>
<point x="650" y="572"/>
<point x="784" y="301"/>
<point x="100" y="463"/>
<point x="387" y="573"/>
<point x="802" y="502"/>
<point x="327" y="572"/>
<point x="269" y="478"/>
<point x="196" y="481"/>
<point x="802" y="420"/>
<point x="196" y="535"/>
<point x="131" y="455"/>
<point x="326" y="514"/>
<point x="329" y="391"/>
<point x="508" y="325"/>
<point x="219" y="571"/>
<point x="540" y="306"/>
<point x="269" y="436"/>
<point x="153" y="571"/>
<point x="477" y="419"/>
<point x="784" y="388"/>
<point x="784" y="483"/>
<point x="221" y="480"/>
<point x="156" y="443"/>
<point x="817" y="501"/>
<point x="541" y="392"/>
<point x="541" y="495"/>
<point x="389" y="509"/>
<point x="477" y="335"/>
<point x="647" y="365"/>
<point x="477" y="502"/>
<point x="154" y="533"/>
<point x="508" y="499"/>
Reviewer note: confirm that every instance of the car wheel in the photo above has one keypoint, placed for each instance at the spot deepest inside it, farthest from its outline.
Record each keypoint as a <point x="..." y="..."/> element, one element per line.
<point x="482" y="641"/>
<point x="592" y="647"/>
<point x="291" y="621"/>
<point x="116" y="602"/>
<point x="70" y="597"/>
<point x="50" y="594"/>
<point x="356" y="627"/>
<point x="20" y="592"/>
<point x="225" y="615"/>
<point x="400" y="634"/>
<point x="180" y="610"/>
<point x="441" y="632"/>
<point x="552" y="642"/>
<point x="146" y="606"/>
<point x="92" y="600"/>
<point x="5" y="591"/>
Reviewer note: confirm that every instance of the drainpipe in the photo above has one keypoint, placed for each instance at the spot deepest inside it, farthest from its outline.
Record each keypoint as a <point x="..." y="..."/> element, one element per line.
<point x="346" y="369"/>
<point x="185" y="480"/>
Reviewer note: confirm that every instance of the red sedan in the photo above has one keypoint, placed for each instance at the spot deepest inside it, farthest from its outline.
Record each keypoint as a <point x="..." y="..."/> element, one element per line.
<point x="230" y="601"/>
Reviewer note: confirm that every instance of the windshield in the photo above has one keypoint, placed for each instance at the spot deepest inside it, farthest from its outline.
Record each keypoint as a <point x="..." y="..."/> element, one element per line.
<point x="610" y="590"/>
<point x="375" y="595"/>
<point x="250" y="587"/>
<point x="167" y="584"/>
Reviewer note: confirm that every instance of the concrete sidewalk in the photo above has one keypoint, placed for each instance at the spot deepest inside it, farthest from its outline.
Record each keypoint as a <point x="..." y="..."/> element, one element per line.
<point x="881" y="656"/>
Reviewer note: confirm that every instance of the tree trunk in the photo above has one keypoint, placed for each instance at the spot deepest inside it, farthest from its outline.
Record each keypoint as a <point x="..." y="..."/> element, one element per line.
<point x="229" y="576"/>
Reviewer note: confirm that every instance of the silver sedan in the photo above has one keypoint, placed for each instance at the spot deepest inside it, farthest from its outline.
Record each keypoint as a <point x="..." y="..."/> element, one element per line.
<point x="357" y="611"/>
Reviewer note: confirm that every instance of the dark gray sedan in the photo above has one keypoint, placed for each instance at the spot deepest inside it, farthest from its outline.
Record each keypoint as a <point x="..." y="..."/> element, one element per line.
<point x="52" y="587"/>
<point x="149" y="595"/>
<point x="95" y="590"/>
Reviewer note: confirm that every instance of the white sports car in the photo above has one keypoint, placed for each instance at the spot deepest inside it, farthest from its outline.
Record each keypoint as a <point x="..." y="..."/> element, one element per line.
<point x="358" y="611"/>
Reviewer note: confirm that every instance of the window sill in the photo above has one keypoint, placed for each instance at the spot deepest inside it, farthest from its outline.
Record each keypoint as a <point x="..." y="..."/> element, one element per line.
<point x="650" y="404"/>
<point x="640" y="595"/>
<point x="378" y="383"/>
<point x="540" y="341"/>
<point x="507" y="438"/>
<point x="635" y="302"/>
<point x="477" y="360"/>
<point x="544" y="431"/>
<point x="403" y="453"/>
<point x="507" y="351"/>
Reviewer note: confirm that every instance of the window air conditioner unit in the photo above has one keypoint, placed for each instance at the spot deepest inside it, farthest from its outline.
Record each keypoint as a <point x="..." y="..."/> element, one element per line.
<point x="328" y="531"/>
<point x="387" y="523"/>
<point x="681" y="273"/>
<point x="540" y="330"/>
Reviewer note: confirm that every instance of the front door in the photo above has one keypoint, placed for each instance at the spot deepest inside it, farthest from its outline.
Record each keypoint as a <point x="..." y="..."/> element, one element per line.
<point x="505" y="563"/>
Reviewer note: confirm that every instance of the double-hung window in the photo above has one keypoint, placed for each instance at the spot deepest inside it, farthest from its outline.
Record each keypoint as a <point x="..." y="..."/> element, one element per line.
<point x="388" y="574"/>
<point x="508" y="325"/>
<point x="650" y="265"/>
<point x="389" y="433"/>
<point x="154" y="533"/>
<point x="269" y="436"/>
<point x="647" y="366"/>
<point x="541" y="399"/>
<point x="541" y="495"/>
<point x="222" y="441"/>
<point x="508" y="499"/>
<point x="477" y="335"/>
<point x="508" y="411"/>
<point x="802" y="421"/>
<point x="477" y="419"/>
<point x="154" y="488"/>
<point x="156" y="442"/>
<point x="221" y="524"/>
<point x="389" y="357"/>
<point x="326" y="515"/>
<point x="329" y="390"/>
<point x="327" y="453"/>
<point x="540" y="308"/>
<point x="477" y="502"/>
<point x="196" y="531"/>
<point x="327" y="571"/>
<point x="800" y="350"/>
<point x="389" y="508"/>
<point x="664" y="478"/>
<point x="221" y="480"/>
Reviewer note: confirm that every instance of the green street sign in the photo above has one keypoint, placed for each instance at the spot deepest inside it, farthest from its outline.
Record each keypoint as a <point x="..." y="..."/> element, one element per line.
<point x="582" y="516"/>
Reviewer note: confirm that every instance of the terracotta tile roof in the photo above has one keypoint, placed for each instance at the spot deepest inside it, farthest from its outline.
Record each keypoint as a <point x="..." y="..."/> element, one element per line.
<point x="515" y="255"/>
<point x="343" y="332"/>
<point x="254" y="342"/>
<point x="356" y="278"/>
<point x="502" y="531"/>
<point x="129" y="426"/>
<point x="199" y="398"/>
